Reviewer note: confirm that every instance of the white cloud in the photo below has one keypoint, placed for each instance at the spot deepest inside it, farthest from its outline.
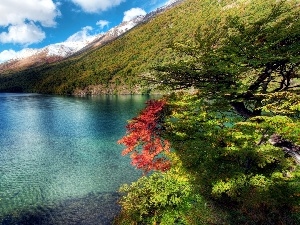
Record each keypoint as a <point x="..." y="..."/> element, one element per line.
<point x="27" y="33"/>
<point x="132" y="13"/>
<point x="102" y="23"/>
<point x="82" y="35"/>
<point x="93" y="6"/>
<point x="14" y="12"/>
<point x="20" y="18"/>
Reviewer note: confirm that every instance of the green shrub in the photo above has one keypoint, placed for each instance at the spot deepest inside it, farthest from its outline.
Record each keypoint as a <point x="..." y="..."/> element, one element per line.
<point x="162" y="198"/>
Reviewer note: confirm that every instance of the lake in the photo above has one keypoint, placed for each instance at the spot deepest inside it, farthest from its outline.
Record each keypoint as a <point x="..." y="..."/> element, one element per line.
<point x="59" y="160"/>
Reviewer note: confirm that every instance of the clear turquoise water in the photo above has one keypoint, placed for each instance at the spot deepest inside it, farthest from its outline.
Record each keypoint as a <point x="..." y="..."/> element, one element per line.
<point x="59" y="154"/>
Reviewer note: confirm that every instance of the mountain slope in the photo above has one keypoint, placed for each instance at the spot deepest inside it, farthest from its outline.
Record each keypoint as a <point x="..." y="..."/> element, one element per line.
<point x="35" y="57"/>
<point x="116" y="66"/>
<point x="56" y="52"/>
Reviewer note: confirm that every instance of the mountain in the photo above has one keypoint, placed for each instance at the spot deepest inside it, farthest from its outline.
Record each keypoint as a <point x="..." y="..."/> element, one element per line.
<point x="112" y="34"/>
<point x="56" y="52"/>
<point x="115" y="62"/>
<point x="49" y="54"/>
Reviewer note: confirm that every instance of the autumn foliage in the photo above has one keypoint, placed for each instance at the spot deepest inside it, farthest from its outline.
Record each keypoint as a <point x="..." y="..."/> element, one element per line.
<point x="143" y="138"/>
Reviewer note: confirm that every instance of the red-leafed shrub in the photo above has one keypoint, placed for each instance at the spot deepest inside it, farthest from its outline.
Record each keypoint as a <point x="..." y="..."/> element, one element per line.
<point x="143" y="138"/>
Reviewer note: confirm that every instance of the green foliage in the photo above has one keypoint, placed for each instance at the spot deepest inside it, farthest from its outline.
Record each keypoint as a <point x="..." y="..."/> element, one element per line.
<point x="284" y="103"/>
<point x="159" y="198"/>
<point x="232" y="160"/>
<point x="244" y="53"/>
<point x="163" y="198"/>
<point x="236" y="134"/>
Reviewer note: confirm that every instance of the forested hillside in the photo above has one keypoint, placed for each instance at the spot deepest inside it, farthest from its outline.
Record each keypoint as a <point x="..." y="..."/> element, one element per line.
<point x="118" y="66"/>
<point x="225" y="149"/>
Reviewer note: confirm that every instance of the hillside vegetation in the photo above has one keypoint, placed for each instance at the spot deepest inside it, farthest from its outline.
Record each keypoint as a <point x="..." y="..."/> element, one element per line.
<point x="226" y="150"/>
<point x="116" y="67"/>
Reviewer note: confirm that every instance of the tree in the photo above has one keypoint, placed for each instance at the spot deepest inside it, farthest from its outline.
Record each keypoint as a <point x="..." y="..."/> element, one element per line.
<point x="246" y="62"/>
<point x="234" y="163"/>
<point x="236" y="133"/>
<point x="143" y="139"/>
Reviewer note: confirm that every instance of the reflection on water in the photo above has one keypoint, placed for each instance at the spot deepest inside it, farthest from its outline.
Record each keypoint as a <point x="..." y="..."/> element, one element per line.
<point x="58" y="155"/>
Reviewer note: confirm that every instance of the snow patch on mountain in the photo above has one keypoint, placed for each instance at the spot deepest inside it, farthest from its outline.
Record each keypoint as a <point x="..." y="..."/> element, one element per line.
<point x="72" y="45"/>
<point x="125" y="26"/>
<point x="62" y="49"/>
<point x="27" y="52"/>
<point x="67" y="48"/>
<point x="170" y="2"/>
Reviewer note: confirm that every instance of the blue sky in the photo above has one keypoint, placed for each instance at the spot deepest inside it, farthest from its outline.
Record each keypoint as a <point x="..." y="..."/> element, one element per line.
<point x="38" y="23"/>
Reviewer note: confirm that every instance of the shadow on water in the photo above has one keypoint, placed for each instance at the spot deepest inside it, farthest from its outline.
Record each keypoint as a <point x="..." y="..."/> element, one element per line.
<point x="93" y="209"/>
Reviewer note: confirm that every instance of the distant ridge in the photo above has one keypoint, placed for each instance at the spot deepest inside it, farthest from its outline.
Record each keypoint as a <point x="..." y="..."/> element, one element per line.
<point x="111" y="63"/>
<point x="56" y="52"/>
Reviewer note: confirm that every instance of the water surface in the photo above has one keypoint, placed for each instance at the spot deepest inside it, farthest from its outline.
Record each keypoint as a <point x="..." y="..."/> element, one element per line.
<point x="59" y="160"/>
